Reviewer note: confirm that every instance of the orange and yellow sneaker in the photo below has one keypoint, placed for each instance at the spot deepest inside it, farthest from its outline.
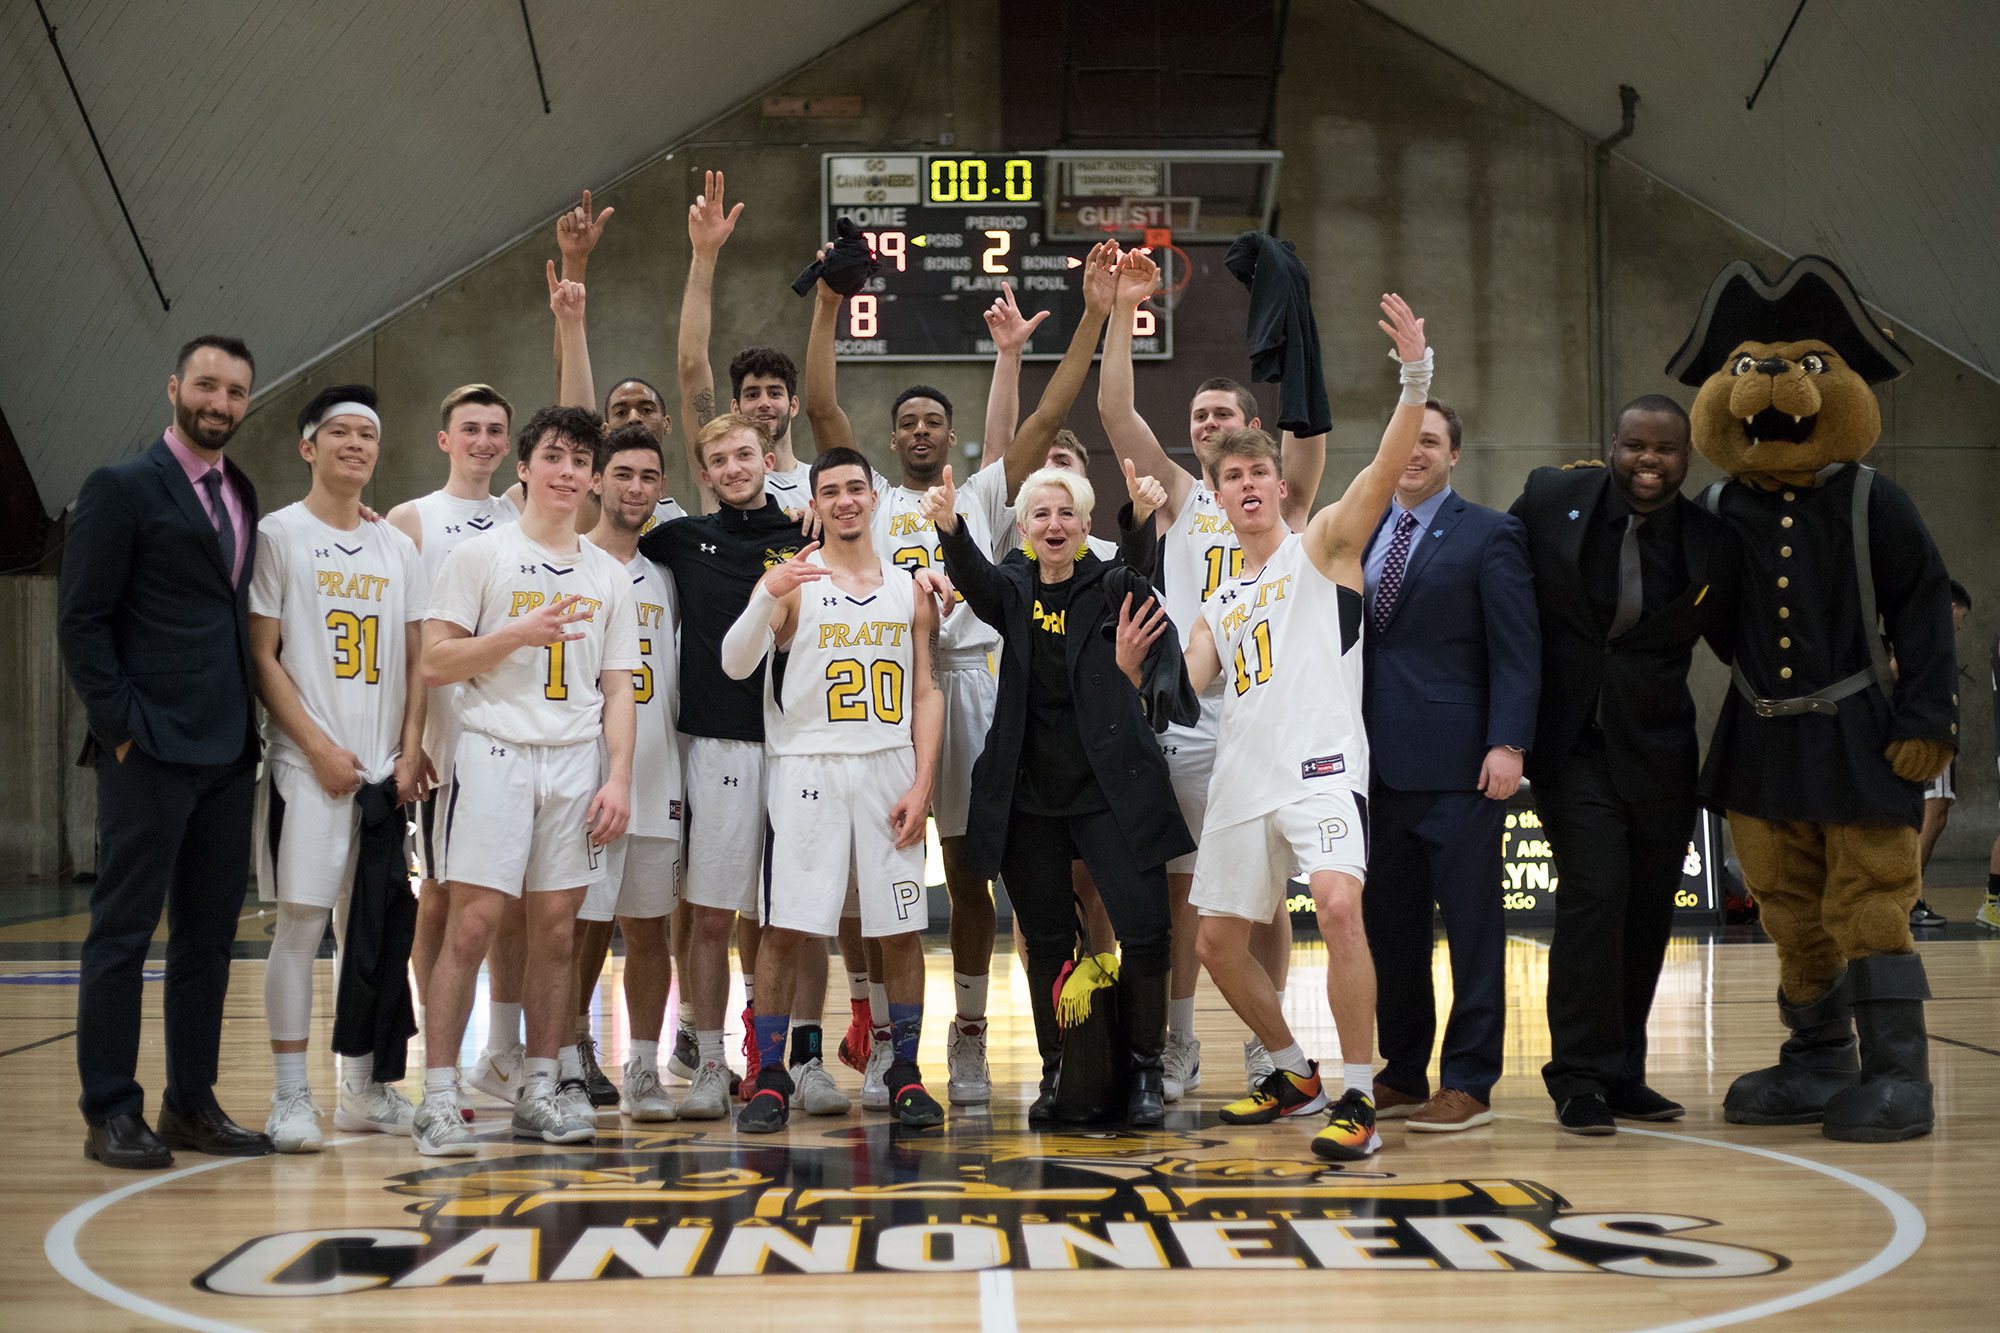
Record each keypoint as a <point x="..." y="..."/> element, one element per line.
<point x="1351" y="1136"/>
<point x="1282" y="1093"/>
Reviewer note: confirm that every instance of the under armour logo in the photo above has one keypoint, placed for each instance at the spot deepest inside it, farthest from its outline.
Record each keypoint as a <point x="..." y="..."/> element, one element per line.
<point x="708" y="548"/>
<point x="453" y="529"/>
<point x="805" y="795"/>
<point x="497" y="750"/>
<point x="731" y="782"/>
<point x="527" y="569"/>
<point x="321" y="553"/>
<point x="829" y="601"/>
<point x="1228" y="597"/>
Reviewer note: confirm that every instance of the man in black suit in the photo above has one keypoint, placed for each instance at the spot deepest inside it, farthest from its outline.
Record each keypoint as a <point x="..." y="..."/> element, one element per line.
<point x="1628" y="574"/>
<point x="1452" y="656"/>
<point x="155" y="631"/>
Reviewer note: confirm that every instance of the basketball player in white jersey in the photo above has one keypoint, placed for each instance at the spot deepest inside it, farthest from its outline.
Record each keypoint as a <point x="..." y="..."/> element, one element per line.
<point x="540" y="628"/>
<point x="853" y="735"/>
<point x="1291" y="760"/>
<point x="923" y="440"/>
<point x="476" y="436"/>
<point x="1198" y="553"/>
<point x="336" y="612"/>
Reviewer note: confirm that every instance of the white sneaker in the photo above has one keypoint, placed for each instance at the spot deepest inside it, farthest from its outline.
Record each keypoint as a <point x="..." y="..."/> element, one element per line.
<point x="439" y="1129"/>
<point x="1257" y="1064"/>
<point x="966" y="1082"/>
<point x="708" y="1093"/>
<point x="874" y="1084"/>
<point x="1183" y="1066"/>
<point x="294" y="1122"/>
<point x="816" y="1091"/>
<point x="500" y="1075"/>
<point x="550" y="1114"/>
<point x="643" y="1097"/>
<point x="375" y="1106"/>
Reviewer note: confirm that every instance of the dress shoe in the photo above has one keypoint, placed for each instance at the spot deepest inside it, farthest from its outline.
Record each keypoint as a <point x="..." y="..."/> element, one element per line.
<point x="1586" y="1114"/>
<point x="212" y="1132"/>
<point x="1394" y="1103"/>
<point x="1636" y="1101"/>
<point x="124" y="1141"/>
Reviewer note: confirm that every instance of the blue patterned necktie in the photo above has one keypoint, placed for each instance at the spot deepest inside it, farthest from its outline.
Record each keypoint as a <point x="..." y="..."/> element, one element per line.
<point x="1391" y="585"/>
<point x="225" y="532"/>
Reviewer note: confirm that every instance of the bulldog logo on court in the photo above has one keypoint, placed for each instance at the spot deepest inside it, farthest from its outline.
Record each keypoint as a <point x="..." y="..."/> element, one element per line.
<point x="677" y="1204"/>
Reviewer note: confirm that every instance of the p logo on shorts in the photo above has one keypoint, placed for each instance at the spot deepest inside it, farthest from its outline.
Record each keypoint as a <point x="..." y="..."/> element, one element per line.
<point x="1331" y="833"/>
<point x="907" y="893"/>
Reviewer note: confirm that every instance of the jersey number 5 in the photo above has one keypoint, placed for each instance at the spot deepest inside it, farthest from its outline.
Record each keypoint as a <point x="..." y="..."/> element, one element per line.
<point x="354" y="640"/>
<point x="848" y="685"/>
<point x="642" y="679"/>
<point x="1257" y="671"/>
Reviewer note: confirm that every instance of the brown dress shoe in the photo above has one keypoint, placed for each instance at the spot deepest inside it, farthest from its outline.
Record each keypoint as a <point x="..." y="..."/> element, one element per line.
<point x="1392" y="1103"/>
<point x="1449" y="1111"/>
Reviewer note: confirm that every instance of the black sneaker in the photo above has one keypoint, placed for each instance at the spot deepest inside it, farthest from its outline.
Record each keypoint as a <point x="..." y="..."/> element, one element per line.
<point x="769" y="1107"/>
<point x="600" y="1088"/>
<point x="686" y="1057"/>
<point x="1921" y="915"/>
<point x="1586" y="1114"/>
<point x="1639" y="1102"/>
<point x="914" y="1108"/>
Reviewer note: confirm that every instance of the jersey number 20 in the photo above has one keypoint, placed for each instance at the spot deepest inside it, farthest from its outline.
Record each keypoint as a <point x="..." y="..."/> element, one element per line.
<point x="849" y="683"/>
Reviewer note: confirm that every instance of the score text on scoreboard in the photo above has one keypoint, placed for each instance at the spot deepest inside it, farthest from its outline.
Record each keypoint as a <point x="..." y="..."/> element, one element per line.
<point x="949" y="229"/>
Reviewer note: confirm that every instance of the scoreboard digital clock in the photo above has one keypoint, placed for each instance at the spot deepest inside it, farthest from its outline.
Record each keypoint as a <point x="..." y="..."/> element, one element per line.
<point x="949" y="229"/>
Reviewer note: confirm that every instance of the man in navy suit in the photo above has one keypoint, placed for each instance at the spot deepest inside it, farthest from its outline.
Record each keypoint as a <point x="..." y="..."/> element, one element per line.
<point x="1452" y="653"/>
<point x="155" y="632"/>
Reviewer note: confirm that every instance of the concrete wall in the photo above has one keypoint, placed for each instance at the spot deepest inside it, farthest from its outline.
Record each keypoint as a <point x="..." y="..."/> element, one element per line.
<point x="47" y="805"/>
<point x="1405" y="170"/>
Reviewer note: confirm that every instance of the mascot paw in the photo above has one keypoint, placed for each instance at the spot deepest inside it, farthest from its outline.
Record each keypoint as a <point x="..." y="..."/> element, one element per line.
<point x="1919" y="761"/>
<point x="1583" y="462"/>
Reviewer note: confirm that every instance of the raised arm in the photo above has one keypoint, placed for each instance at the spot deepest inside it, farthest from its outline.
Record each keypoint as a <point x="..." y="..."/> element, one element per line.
<point x="577" y="232"/>
<point x="1300" y="463"/>
<point x="1010" y="333"/>
<point x="829" y="422"/>
<point x="771" y="615"/>
<point x="1030" y="445"/>
<point x="566" y="303"/>
<point x="1130" y="436"/>
<point x="709" y="225"/>
<point x="972" y="574"/>
<point x="1337" y="537"/>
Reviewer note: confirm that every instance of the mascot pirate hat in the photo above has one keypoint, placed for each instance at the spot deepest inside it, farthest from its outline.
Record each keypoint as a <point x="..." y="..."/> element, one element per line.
<point x="1813" y="299"/>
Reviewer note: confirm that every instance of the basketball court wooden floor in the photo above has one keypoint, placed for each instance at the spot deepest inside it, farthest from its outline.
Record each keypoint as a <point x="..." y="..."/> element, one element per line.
<point x="850" y="1223"/>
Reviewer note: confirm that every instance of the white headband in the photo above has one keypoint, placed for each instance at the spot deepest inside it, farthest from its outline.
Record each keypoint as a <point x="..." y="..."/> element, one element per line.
<point x="346" y="410"/>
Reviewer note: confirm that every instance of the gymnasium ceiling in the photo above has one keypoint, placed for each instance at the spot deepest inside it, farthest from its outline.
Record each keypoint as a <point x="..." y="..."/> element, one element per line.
<point x="299" y="171"/>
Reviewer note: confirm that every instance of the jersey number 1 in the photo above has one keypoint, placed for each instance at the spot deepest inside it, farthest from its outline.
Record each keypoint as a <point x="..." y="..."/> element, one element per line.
<point x="557" y="685"/>
<point x="1259" y="671"/>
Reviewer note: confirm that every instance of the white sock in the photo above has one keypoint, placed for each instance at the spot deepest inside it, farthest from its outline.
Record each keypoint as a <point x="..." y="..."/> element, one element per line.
<point x="503" y="1026"/>
<point x="1292" y="1058"/>
<point x="749" y="991"/>
<point x="289" y="1068"/>
<point x="645" y="1056"/>
<point x="684" y="1014"/>
<point x="583" y="1025"/>
<point x="711" y="1046"/>
<point x="354" y="1071"/>
<point x="568" y="1063"/>
<point x="878" y="1002"/>
<point x="538" y="1071"/>
<point x="1281" y="997"/>
<point x="441" y="1081"/>
<point x="1358" y="1078"/>
<point x="971" y="995"/>
<point x="1180" y="1016"/>
<point x="421" y="1029"/>
<point x="857" y="986"/>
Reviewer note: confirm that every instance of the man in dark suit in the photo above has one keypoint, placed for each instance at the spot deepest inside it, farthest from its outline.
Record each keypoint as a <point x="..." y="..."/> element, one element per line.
<point x="1453" y="658"/>
<point x="1628" y="574"/>
<point x="155" y="631"/>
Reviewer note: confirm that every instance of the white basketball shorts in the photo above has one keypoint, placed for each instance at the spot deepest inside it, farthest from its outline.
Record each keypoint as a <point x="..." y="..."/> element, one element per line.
<point x="830" y="822"/>
<point x="722" y="820"/>
<point x="515" y="816"/>
<point x="1245" y="868"/>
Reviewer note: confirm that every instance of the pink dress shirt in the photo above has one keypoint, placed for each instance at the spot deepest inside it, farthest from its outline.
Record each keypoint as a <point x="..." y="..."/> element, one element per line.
<point x="196" y="468"/>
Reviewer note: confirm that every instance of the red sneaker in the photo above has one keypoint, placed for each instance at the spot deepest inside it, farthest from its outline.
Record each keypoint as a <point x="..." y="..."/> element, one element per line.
<point x="855" y="1045"/>
<point x="748" y="1088"/>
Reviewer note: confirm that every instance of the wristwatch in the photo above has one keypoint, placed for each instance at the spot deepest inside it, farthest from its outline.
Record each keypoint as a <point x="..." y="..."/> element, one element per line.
<point x="1513" y="749"/>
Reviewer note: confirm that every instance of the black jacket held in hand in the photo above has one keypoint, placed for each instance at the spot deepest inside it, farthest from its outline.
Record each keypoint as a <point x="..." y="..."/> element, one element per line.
<point x="1115" y="721"/>
<point x="1282" y="336"/>
<point x="1647" y="714"/>
<point x="372" y="1013"/>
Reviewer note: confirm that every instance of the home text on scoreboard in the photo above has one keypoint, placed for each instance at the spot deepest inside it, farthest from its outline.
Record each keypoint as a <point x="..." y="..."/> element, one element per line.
<point x="948" y="230"/>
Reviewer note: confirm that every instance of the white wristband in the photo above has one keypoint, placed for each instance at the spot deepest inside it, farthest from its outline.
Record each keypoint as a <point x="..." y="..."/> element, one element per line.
<point x="1416" y="376"/>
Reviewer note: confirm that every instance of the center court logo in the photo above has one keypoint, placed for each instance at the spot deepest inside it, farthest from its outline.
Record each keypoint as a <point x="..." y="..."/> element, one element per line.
<point x="674" y="1204"/>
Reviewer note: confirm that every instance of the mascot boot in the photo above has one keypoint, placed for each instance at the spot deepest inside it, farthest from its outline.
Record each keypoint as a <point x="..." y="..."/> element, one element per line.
<point x="1048" y="1038"/>
<point x="1893" y="1099"/>
<point x="1146" y="1034"/>
<point x="1816" y="1063"/>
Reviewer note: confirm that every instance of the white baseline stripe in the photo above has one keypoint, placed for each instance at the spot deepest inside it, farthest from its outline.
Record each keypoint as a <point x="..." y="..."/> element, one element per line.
<point x="996" y="1301"/>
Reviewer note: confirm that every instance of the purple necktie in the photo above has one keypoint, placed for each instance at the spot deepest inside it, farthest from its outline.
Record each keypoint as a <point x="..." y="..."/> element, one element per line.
<point x="1391" y="585"/>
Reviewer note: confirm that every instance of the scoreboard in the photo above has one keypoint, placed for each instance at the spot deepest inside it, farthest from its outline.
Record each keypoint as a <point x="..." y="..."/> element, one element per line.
<point x="948" y="230"/>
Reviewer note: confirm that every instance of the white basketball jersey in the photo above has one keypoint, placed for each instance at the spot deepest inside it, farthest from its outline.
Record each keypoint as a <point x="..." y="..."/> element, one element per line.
<point x="656" y="757"/>
<point x="666" y="511"/>
<point x="904" y="537"/>
<point x="546" y="695"/>
<point x="1290" y="643"/>
<point x="445" y="521"/>
<point x="845" y="686"/>
<point x="343" y="600"/>
<point x="793" y="489"/>
<point x="1199" y="555"/>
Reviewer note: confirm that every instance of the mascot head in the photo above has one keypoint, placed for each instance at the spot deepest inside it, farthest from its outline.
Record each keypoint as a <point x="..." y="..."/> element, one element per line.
<point x="1784" y="370"/>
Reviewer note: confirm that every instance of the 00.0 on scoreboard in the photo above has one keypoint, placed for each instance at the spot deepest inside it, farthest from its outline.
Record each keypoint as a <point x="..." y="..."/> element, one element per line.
<point x="949" y="229"/>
